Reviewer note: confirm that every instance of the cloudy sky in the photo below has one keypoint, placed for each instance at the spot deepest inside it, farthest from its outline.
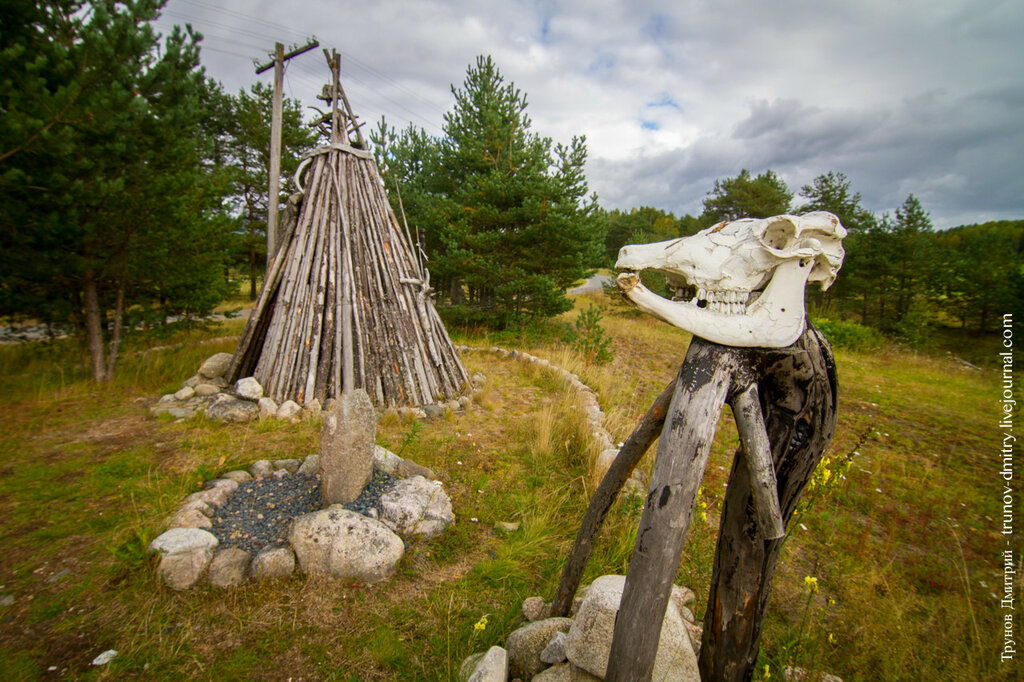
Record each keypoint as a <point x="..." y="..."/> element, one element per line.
<point x="922" y="97"/>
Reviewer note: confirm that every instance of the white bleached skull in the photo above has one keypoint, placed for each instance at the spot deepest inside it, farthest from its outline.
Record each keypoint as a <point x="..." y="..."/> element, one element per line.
<point x="739" y="283"/>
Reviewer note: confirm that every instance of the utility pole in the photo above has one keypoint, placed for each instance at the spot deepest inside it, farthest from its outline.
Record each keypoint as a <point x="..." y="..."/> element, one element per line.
<point x="275" y="135"/>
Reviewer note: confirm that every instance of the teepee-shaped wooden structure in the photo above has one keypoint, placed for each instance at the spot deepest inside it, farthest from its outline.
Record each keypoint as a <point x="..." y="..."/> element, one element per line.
<point x="345" y="303"/>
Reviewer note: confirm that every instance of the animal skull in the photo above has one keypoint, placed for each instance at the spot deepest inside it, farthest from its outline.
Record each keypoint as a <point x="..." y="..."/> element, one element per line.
<point x="739" y="283"/>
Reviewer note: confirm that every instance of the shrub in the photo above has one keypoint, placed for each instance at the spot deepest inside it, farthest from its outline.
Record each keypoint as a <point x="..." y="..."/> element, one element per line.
<point x="588" y="338"/>
<point x="849" y="334"/>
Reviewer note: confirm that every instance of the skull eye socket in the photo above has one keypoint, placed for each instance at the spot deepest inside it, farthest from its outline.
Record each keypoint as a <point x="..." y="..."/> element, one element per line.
<point x="779" y="235"/>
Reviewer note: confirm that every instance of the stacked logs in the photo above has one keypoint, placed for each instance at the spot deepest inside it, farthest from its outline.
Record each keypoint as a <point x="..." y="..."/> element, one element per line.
<point x="345" y="304"/>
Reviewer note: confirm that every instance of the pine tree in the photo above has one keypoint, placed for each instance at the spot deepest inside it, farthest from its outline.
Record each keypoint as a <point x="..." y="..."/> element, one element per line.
<point x="746" y="197"/>
<point x="508" y="224"/>
<point x="247" y="147"/>
<point x="110" y="200"/>
<point x="831" y="192"/>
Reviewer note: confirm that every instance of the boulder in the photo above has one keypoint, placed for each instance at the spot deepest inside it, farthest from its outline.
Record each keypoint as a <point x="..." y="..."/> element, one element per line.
<point x="565" y="672"/>
<point x="289" y="465"/>
<point x="226" y="484"/>
<point x="554" y="652"/>
<point x="433" y="411"/>
<point x="261" y="468"/>
<point x="267" y="407"/>
<point x="231" y="410"/>
<point x="238" y="476"/>
<point x="346" y="448"/>
<point x="184" y="393"/>
<point x="289" y="409"/>
<point x="469" y="665"/>
<point x="249" y="389"/>
<point x="203" y="390"/>
<point x="604" y="460"/>
<point x="416" y="506"/>
<point x="492" y="666"/>
<point x="345" y="544"/>
<point x="179" y="540"/>
<point x="272" y="563"/>
<point x="312" y="409"/>
<point x="310" y="466"/>
<point x="193" y="381"/>
<point x="526" y="644"/>
<point x="590" y="637"/>
<point x="190" y="518"/>
<point x="186" y="552"/>
<point x="229" y="567"/>
<point x="385" y="460"/>
<point x="182" y="570"/>
<point x="202" y="506"/>
<point x="407" y="468"/>
<point x="682" y="596"/>
<point x="214" y="497"/>
<point x="215" y="366"/>
<point x="534" y="608"/>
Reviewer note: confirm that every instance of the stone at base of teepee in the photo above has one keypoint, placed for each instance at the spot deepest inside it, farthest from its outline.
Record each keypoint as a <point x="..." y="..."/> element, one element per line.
<point x="346" y="448"/>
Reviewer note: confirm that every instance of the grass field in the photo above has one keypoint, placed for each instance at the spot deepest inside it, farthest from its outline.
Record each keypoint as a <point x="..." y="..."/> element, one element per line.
<point x="901" y="529"/>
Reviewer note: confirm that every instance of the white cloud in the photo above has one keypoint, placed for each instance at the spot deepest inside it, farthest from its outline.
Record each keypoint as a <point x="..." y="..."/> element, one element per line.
<point x="904" y="97"/>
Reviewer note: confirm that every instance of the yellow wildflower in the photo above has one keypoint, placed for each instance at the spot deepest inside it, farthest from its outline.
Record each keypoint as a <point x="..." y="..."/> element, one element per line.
<point x="811" y="583"/>
<point x="481" y="624"/>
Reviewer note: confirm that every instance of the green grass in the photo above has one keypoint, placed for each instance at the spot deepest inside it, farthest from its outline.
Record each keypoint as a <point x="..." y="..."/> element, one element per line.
<point x="87" y="477"/>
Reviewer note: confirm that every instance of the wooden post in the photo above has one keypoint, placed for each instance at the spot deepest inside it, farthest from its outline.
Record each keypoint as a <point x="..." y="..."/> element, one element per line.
<point x="683" y="450"/>
<point x="757" y="456"/>
<point x="784" y="402"/>
<point x="274" y="170"/>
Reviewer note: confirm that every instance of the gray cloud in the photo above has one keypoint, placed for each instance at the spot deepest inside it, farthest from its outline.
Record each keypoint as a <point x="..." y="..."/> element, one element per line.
<point x="910" y="97"/>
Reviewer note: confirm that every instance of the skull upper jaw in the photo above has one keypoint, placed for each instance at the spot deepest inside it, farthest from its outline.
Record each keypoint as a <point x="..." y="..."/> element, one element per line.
<point x="774" y="319"/>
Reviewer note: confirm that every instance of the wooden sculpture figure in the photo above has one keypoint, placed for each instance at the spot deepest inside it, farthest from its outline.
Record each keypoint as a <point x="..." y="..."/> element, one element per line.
<point x="739" y="288"/>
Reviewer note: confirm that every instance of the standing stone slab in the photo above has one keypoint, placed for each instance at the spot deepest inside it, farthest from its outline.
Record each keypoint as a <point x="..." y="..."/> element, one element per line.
<point x="346" y="448"/>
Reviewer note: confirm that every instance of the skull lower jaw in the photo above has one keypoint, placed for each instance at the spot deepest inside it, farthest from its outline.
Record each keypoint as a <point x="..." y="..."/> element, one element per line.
<point x="773" y="318"/>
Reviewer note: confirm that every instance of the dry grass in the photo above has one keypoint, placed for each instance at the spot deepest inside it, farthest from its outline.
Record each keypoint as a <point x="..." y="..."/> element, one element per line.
<point x="87" y="477"/>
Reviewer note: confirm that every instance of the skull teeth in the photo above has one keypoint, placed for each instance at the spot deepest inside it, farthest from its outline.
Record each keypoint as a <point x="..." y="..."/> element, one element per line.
<point x="723" y="302"/>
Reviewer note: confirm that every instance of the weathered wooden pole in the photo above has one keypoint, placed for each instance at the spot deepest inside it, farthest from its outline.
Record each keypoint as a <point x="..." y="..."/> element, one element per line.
<point x="274" y="170"/>
<point x="700" y="394"/>
<point x="784" y="402"/>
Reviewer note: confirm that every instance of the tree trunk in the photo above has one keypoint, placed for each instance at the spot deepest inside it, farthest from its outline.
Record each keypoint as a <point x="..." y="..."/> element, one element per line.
<point x="115" y="339"/>
<point x="94" y="325"/>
